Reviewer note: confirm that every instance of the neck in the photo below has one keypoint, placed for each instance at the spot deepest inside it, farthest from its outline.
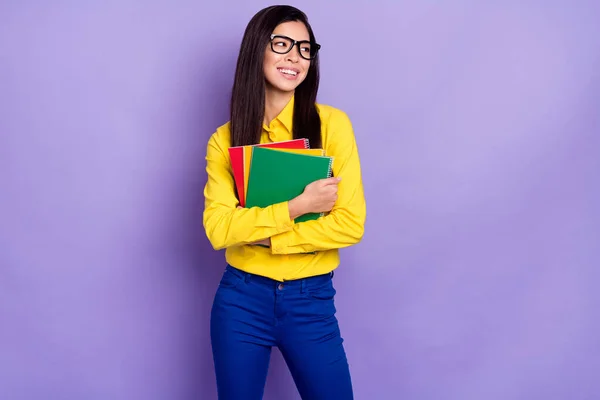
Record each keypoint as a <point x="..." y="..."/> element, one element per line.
<point x="275" y="102"/>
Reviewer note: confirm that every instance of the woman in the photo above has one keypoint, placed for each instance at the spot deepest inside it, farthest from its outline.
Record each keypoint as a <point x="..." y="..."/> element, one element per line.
<point x="277" y="286"/>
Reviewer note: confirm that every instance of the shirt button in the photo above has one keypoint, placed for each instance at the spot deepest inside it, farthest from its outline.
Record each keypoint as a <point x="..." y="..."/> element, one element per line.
<point x="280" y="287"/>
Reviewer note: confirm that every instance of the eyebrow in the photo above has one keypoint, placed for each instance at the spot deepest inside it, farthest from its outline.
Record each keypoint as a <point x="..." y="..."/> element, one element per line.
<point x="281" y="34"/>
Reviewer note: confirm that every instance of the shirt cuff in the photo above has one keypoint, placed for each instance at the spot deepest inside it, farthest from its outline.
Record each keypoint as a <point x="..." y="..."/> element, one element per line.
<point x="279" y="243"/>
<point x="281" y="214"/>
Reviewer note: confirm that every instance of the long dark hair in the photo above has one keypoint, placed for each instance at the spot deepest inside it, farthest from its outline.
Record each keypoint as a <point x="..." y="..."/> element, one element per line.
<point x="247" y="106"/>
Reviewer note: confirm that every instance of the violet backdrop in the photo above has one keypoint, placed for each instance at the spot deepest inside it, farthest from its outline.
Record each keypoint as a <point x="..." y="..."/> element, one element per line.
<point x="478" y="127"/>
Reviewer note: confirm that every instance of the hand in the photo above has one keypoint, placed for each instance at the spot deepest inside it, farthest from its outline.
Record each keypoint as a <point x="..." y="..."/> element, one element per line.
<point x="319" y="196"/>
<point x="264" y="242"/>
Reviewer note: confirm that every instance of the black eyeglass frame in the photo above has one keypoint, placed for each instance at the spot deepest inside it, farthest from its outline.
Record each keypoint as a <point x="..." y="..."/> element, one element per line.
<point x="296" y="43"/>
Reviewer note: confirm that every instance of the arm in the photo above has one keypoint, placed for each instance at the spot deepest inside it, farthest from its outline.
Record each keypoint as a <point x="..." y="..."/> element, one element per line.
<point x="344" y="225"/>
<point x="227" y="225"/>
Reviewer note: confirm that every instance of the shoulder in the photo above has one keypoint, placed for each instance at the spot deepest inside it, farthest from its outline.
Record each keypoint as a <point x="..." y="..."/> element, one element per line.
<point x="221" y="138"/>
<point x="336" y="127"/>
<point x="219" y="142"/>
<point x="332" y="115"/>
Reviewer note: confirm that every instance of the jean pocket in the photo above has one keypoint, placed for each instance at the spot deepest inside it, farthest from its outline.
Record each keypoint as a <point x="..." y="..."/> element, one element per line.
<point x="229" y="280"/>
<point x="324" y="292"/>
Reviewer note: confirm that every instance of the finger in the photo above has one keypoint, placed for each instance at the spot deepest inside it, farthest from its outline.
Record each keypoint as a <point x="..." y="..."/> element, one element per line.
<point x="331" y="181"/>
<point x="327" y="182"/>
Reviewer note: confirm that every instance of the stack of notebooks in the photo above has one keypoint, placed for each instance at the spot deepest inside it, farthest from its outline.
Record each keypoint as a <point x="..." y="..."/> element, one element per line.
<point x="270" y="173"/>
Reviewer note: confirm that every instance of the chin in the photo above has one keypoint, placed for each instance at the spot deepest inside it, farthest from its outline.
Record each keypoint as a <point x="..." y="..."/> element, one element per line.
<point x="285" y="83"/>
<point x="285" y="88"/>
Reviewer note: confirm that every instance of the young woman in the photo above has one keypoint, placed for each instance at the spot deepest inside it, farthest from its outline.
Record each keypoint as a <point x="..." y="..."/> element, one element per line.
<point x="277" y="286"/>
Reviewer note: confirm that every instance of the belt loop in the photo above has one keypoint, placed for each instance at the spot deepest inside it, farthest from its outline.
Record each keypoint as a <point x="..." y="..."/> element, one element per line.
<point x="302" y="285"/>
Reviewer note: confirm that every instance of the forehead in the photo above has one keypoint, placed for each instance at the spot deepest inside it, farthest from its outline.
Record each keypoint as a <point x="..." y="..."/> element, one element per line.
<point x="293" y="29"/>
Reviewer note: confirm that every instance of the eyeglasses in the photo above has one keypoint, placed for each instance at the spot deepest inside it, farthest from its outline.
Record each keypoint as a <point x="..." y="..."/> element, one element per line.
<point x="282" y="45"/>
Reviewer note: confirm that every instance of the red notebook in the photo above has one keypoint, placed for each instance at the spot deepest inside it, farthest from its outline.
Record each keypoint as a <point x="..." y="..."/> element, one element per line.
<point x="236" y="155"/>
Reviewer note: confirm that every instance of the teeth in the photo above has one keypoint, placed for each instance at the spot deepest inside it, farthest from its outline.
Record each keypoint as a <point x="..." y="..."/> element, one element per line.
<point x="288" y="71"/>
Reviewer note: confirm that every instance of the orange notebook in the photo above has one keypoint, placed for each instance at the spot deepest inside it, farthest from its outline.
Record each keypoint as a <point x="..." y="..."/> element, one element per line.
<point x="236" y="155"/>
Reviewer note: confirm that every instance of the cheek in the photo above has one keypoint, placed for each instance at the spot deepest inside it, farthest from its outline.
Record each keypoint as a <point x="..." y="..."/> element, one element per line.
<point x="271" y="59"/>
<point x="305" y="67"/>
<point x="270" y="69"/>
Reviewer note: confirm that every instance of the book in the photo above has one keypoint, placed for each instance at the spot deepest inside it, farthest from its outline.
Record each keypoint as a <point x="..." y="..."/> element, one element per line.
<point x="248" y="158"/>
<point x="236" y="156"/>
<point x="313" y="152"/>
<point x="277" y="176"/>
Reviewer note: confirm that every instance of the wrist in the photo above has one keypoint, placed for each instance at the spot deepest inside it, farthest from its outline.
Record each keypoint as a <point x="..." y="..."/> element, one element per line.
<point x="297" y="206"/>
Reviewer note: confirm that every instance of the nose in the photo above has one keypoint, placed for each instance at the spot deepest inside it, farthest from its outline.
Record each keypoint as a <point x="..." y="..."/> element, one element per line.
<point x="293" y="54"/>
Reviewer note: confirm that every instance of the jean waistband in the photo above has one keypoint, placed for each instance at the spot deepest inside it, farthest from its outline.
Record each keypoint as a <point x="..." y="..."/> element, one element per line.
<point x="302" y="282"/>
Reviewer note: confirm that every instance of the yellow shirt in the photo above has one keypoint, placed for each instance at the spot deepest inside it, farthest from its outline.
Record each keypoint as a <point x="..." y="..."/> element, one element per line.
<point x="297" y="250"/>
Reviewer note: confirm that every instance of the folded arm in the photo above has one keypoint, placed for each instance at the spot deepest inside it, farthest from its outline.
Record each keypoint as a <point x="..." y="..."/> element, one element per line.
<point x="227" y="225"/>
<point x="344" y="225"/>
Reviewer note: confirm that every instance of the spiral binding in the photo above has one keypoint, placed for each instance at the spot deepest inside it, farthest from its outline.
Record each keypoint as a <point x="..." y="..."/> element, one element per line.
<point x="329" y="175"/>
<point x="306" y="144"/>
<point x="330" y="172"/>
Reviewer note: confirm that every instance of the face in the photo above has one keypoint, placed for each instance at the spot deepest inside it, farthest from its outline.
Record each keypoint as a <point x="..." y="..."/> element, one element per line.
<point x="284" y="72"/>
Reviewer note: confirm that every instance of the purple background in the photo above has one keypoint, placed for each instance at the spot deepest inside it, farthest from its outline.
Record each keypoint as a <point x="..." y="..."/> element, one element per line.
<point x="479" y="133"/>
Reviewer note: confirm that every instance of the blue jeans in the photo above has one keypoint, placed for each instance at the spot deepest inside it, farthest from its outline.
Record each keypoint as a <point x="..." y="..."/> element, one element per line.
<point x="251" y="314"/>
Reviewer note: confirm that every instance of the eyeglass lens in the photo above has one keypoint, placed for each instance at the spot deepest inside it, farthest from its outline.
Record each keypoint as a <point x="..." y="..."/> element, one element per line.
<point x="283" y="45"/>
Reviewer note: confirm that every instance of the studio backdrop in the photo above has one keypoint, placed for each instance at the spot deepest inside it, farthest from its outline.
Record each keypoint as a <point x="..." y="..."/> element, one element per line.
<point x="478" y="130"/>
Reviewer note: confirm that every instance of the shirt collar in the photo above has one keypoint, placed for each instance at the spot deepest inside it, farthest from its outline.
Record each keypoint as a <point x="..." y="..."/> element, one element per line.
<point x="286" y="116"/>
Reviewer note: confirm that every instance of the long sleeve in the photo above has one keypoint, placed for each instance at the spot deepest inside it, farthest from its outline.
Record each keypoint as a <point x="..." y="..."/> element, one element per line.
<point x="344" y="225"/>
<point x="224" y="223"/>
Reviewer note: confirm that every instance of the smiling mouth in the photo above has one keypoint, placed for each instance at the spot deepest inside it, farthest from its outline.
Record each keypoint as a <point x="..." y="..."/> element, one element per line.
<point x="287" y="71"/>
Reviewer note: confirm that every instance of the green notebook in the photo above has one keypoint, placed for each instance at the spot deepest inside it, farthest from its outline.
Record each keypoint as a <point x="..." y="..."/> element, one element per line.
<point x="277" y="176"/>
